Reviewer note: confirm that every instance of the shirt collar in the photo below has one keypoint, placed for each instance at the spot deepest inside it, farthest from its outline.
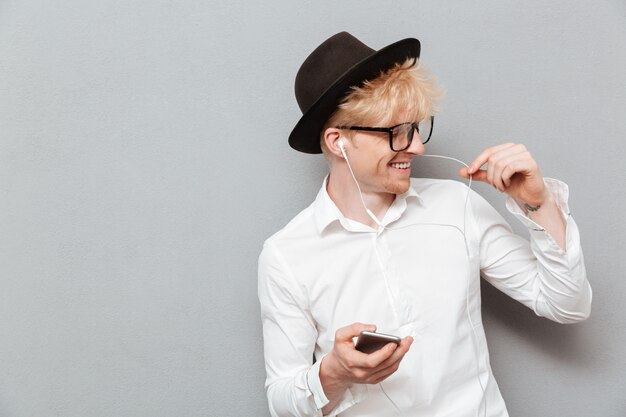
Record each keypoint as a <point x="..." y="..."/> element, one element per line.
<point x="327" y="212"/>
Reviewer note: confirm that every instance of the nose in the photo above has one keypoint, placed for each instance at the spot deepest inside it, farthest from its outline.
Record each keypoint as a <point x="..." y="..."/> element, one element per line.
<point x="416" y="147"/>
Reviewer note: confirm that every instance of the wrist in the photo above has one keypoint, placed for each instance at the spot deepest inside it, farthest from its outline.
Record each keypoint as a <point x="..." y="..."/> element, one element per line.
<point x="533" y="205"/>
<point x="330" y="375"/>
<point x="328" y="368"/>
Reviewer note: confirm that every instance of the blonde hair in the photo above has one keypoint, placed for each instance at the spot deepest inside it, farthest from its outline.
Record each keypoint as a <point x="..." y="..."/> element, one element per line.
<point x="407" y="87"/>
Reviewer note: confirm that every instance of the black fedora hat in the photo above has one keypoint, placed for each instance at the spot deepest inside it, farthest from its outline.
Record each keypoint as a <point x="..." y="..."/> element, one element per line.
<point x="340" y="62"/>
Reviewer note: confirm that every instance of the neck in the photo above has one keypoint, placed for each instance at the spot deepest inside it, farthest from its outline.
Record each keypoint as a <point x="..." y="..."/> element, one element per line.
<point x="345" y="194"/>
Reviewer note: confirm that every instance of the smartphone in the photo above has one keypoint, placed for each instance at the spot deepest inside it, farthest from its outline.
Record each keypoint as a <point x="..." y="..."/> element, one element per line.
<point x="369" y="342"/>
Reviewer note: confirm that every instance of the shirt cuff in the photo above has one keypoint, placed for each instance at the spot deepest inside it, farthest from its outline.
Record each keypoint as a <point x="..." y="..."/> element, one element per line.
<point x="352" y="396"/>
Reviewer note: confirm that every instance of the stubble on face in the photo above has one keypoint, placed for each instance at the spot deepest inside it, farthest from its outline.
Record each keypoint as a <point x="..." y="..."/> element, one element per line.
<point x="397" y="187"/>
<point x="388" y="180"/>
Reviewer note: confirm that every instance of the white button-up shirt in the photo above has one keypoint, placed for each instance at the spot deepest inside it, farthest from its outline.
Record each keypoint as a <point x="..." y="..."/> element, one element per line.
<point x="419" y="275"/>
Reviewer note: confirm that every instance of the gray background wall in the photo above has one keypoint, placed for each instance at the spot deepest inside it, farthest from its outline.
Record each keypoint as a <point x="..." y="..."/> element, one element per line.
<point x="143" y="161"/>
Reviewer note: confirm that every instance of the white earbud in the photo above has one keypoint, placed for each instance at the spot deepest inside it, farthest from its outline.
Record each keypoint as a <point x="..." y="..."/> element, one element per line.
<point x="342" y="148"/>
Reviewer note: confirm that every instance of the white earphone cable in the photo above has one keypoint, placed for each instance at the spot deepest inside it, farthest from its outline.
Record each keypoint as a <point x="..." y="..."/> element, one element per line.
<point x="467" y="251"/>
<point x="369" y="213"/>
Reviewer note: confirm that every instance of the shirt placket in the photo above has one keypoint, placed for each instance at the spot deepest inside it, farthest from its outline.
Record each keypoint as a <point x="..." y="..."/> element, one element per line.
<point x="383" y="254"/>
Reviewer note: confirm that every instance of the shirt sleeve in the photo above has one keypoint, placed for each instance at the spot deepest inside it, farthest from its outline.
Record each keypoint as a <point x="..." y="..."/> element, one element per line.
<point x="289" y="335"/>
<point x="539" y="274"/>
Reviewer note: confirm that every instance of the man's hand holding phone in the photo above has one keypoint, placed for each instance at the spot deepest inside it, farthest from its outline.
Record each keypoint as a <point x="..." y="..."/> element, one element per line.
<point x="345" y="365"/>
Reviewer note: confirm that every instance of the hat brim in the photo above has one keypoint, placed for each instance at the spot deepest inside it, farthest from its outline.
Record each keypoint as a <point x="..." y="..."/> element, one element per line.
<point x="305" y="136"/>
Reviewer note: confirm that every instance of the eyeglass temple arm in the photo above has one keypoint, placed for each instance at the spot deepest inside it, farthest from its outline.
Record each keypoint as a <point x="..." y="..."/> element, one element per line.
<point x="369" y="129"/>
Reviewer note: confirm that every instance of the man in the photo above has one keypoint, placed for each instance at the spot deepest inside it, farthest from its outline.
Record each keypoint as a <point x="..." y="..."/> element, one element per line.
<point x="378" y="250"/>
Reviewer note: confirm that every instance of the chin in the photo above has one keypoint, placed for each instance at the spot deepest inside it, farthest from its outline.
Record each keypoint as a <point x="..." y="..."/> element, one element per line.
<point x="398" y="187"/>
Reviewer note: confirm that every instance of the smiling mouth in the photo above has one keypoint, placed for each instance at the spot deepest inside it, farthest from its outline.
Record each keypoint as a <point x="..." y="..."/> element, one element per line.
<point x="401" y="165"/>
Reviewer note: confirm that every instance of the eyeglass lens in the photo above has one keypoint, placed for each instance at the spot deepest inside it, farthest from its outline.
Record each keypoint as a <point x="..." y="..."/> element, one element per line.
<point x="403" y="134"/>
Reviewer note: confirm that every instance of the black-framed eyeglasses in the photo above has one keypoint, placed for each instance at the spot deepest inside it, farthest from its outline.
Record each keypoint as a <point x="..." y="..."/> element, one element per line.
<point x="401" y="136"/>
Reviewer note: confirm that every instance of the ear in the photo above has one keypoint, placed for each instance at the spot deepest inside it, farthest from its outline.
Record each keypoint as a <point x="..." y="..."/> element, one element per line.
<point x="332" y="136"/>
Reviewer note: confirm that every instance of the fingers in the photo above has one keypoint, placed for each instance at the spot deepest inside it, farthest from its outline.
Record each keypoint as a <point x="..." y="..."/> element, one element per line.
<point x="479" y="175"/>
<point x="398" y="353"/>
<point x="526" y="163"/>
<point x="484" y="156"/>
<point x="498" y="162"/>
<point x="506" y="168"/>
<point x="395" y="354"/>
<point x="391" y="364"/>
<point x="350" y="358"/>
<point x="383" y="374"/>
<point x="503" y="162"/>
<point x="488" y="155"/>
<point x="375" y="359"/>
<point x="358" y="366"/>
<point x="361" y="367"/>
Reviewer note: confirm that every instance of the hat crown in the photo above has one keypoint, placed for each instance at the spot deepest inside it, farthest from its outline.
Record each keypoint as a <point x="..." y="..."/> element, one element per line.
<point x="326" y="64"/>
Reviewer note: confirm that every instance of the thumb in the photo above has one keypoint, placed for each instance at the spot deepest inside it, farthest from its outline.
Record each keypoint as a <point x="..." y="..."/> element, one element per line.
<point x="348" y="332"/>
<point x="480" y="175"/>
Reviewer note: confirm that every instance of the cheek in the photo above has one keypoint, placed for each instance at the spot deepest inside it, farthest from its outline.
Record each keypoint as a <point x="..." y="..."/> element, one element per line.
<point x="381" y="168"/>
